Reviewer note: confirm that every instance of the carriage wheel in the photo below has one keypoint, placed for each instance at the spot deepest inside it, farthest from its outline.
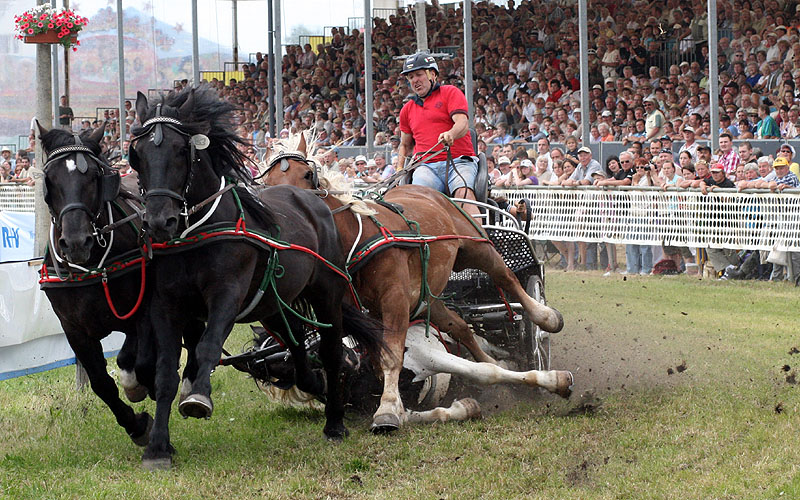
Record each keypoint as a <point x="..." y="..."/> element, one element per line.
<point x="535" y="341"/>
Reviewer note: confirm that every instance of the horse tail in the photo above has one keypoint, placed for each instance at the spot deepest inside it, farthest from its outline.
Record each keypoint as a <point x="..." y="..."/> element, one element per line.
<point x="367" y="331"/>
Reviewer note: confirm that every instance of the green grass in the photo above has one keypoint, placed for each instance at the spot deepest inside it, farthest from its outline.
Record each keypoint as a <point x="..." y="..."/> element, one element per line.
<point x="709" y="431"/>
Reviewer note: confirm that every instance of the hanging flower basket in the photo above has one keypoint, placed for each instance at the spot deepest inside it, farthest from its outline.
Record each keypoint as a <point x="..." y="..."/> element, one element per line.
<point x="50" y="37"/>
<point x="43" y="24"/>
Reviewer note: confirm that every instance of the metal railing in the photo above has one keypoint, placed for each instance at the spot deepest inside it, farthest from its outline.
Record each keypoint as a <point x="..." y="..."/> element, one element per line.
<point x="726" y="218"/>
<point x="16" y="198"/>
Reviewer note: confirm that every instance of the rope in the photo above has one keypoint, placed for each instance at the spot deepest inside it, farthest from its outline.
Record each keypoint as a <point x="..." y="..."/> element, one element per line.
<point x="138" y="300"/>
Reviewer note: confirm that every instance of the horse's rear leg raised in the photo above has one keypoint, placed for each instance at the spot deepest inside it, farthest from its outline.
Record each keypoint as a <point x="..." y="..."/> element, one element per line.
<point x="482" y="256"/>
<point x="452" y="324"/>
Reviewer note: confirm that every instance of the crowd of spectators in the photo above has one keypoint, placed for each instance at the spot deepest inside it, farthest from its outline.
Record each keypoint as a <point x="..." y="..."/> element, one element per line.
<point x="648" y="73"/>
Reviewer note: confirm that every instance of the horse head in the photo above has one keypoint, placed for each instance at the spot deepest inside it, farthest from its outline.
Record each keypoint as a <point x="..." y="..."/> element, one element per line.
<point x="186" y="144"/>
<point x="292" y="168"/>
<point x="163" y="153"/>
<point x="77" y="185"/>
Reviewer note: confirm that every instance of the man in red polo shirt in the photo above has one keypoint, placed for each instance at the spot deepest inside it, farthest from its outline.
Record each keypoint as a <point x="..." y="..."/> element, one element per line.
<point x="437" y="114"/>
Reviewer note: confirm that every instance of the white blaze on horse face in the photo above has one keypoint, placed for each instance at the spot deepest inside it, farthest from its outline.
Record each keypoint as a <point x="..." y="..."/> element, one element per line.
<point x="71" y="167"/>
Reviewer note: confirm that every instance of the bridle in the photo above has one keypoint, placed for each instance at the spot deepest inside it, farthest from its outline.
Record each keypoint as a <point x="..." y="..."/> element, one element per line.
<point x="282" y="159"/>
<point x="108" y="191"/>
<point x="109" y="179"/>
<point x="196" y="142"/>
<point x="155" y="126"/>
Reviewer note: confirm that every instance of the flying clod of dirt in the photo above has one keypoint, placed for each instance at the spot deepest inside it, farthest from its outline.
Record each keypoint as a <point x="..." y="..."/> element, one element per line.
<point x="794" y="350"/>
<point x="588" y="404"/>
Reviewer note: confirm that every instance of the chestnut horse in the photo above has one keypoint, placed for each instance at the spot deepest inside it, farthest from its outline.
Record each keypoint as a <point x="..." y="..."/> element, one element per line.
<point x="391" y="282"/>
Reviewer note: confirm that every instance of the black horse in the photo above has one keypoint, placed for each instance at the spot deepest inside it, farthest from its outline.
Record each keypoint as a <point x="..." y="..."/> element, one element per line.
<point x="88" y="234"/>
<point x="188" y="157"/>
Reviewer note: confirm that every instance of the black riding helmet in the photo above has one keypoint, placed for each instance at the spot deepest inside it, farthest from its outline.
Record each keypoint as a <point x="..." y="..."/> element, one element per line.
<point x="420" y="60"/>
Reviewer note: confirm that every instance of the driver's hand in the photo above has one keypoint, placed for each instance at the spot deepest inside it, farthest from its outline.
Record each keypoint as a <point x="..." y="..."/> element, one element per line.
<point x="446" y="138"/>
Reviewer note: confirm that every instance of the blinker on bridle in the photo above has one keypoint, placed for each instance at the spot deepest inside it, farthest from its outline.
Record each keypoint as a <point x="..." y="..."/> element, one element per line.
<point x="109" y="182"/>
<point x="155" y="126"/>
<point x="283" y="160"/>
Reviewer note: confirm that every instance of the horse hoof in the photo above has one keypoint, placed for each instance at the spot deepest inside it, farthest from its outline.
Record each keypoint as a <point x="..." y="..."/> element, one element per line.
<point x="385" y="424"/>
<point x="155" y="464"/>
<point x="144" y="439"/>
<point x="564" y="383"/>
<point x="136" y="394"/>
<point x="472" y="409"/>
<point x="336" y="435"/>
<point x="196" y="406"/>
<point x="560" y="324"/>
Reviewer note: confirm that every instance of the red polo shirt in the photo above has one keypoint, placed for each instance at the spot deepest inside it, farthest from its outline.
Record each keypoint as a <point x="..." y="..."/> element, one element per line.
<point x="426" y="122"/>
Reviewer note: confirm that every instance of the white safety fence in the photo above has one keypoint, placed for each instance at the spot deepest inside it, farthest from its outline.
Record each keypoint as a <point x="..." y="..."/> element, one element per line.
<point x="31" y="338"/>
<point x="16" y="198"/>
<point x="724" y="218"/>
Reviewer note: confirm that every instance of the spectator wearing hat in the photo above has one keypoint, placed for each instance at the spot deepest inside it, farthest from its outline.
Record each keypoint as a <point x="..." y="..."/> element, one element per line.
<point x="5" y="156"/>
<point x="523" y="175"/>
<point x="360" y="166"/>
<point x="787" y="151"/>
<point x="503" y="172"/>
<point x="784" y="178"/>
<point x="690" y="144"/>
<point x="718" y="179"/>
<point x="654" y="120"/>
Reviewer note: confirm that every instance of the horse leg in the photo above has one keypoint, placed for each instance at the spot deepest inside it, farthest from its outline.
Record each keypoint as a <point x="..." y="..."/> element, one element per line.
<point x="430" y="361"/>
<point x="167" y="345"/>
<point x="89" y="352"/>
<point x="222" y="308"/>
<point x="330" y="352"/>
<point x="191" y="336"/>
<point x="461" y="409"/>
<point x="485" y="258"/>
<point x="452" y="324"/>
<point x="126" y="360"/>
<point x="394" y="314"/>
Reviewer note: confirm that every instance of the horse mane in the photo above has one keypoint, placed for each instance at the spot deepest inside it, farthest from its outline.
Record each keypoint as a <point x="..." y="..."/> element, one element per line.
<point x="212" y="116"/>
<point x="290" y="145"/>
<point x="333" y="180"/>
<point x="329" y="179"/>
<point x="56" y="138"/>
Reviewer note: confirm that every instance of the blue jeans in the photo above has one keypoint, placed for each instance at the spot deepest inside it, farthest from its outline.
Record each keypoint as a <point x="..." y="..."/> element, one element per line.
<point x="638" y="259"/>
<point x="433" y="174"/>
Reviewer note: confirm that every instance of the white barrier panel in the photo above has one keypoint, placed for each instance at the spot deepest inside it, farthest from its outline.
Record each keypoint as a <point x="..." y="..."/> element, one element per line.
<point x="16" y="198"/>
<point x="31" y="337"/>
<point x="688" y="218"/>
<point x="16" y="236"/>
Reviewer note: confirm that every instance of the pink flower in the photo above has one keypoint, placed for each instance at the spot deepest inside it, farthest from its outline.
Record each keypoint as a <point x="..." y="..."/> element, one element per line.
<point x="69" y="25"/>
<point x="40" y="25"/>
<point x="51" y="25"/>
<point x="43" y="16"/>
<point x="74" y="49"/>
<point x="30" y="31"/>
<point x="61" y="35"/>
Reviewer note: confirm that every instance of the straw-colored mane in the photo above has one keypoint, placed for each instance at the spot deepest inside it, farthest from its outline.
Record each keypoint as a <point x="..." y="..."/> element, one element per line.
<point x="331" y="180"/>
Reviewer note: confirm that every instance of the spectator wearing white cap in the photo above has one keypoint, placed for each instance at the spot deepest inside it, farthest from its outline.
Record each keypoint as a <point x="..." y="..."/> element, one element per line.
<point x="504" y="166"/>
<point x="5" y="156"/>
<point x="523" y="175"/>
